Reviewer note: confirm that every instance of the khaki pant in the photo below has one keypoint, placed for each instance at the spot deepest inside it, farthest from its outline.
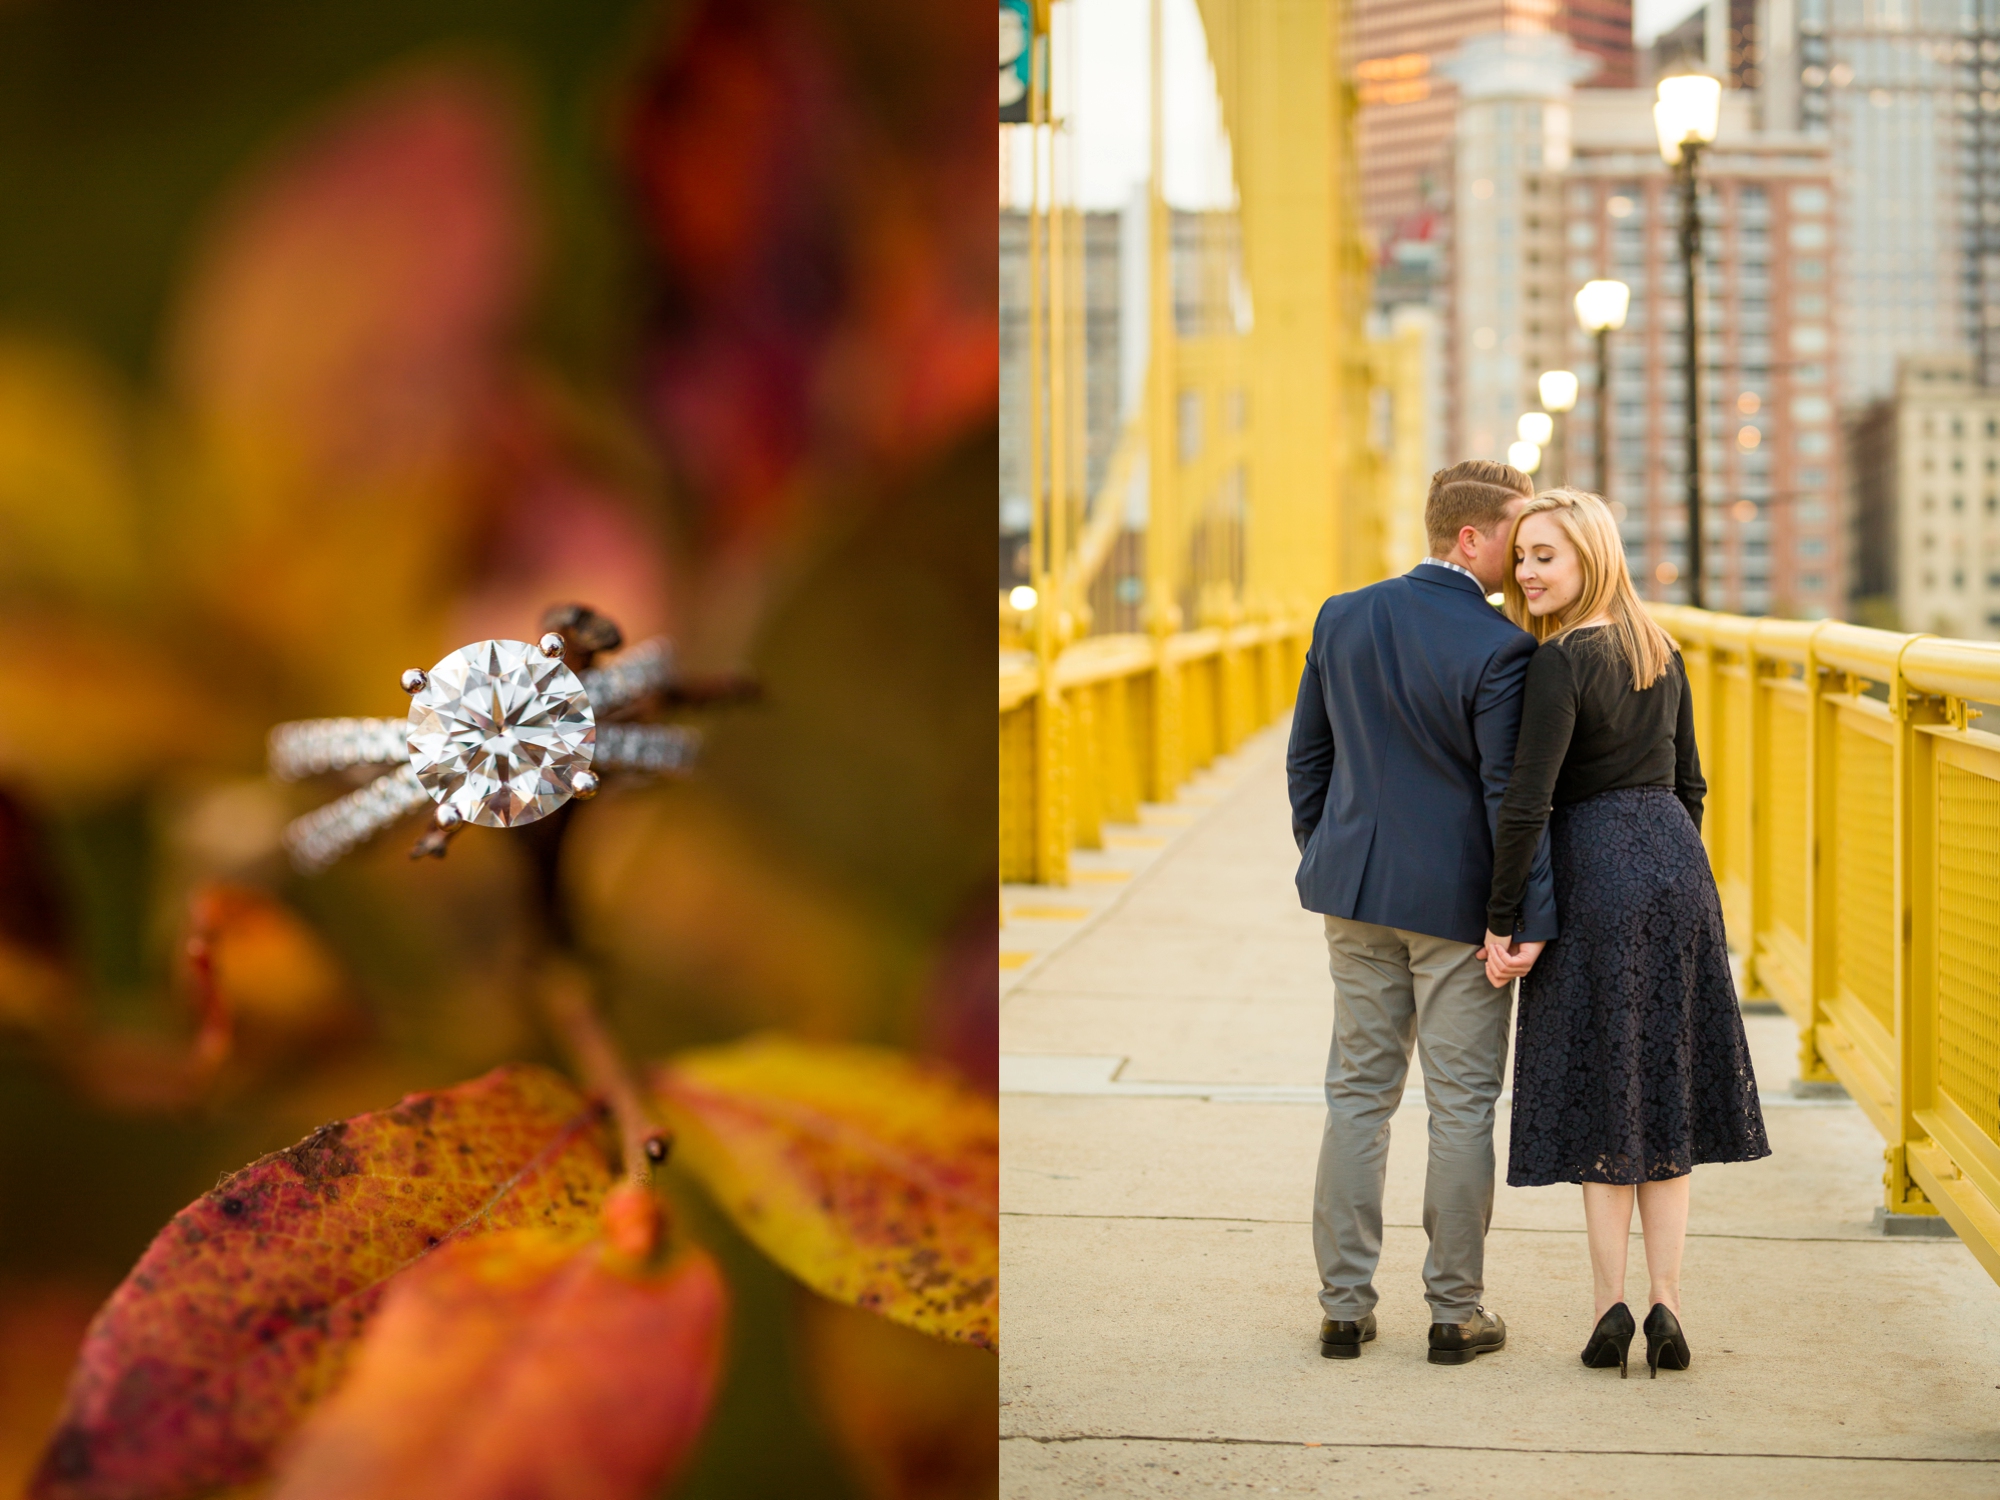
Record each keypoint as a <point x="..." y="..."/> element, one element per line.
<point x="1392" y="988"/>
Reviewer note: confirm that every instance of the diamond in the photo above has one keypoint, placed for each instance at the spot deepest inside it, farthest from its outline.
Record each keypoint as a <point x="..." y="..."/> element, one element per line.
<point x="499" y="732"/>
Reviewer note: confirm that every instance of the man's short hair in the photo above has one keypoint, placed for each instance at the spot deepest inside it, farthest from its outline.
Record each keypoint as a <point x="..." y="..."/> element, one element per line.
<point x="1475" y="493"/>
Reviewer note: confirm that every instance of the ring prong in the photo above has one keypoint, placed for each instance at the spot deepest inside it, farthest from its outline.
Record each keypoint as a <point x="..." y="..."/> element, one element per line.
<point x="414" y="680"/>
<point x="583" y="786"/>
<point x="553" y="644"/>
<point x="449" y="816"/>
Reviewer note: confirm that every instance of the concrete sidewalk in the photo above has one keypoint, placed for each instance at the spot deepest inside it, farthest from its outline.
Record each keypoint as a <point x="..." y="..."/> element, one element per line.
<point x="1163" y="1050"/>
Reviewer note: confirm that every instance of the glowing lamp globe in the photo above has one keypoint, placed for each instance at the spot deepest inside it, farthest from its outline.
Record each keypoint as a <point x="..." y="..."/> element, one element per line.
<point x="1601" y="305"/>
<point x="1688" y="109"/>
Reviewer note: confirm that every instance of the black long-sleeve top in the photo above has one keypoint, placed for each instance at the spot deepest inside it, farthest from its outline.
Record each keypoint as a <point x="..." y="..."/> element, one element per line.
<point x="1585" y="729"/>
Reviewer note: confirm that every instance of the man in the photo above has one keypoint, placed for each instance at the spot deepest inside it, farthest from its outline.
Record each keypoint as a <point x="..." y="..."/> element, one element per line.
<point x="1401" y="745"/>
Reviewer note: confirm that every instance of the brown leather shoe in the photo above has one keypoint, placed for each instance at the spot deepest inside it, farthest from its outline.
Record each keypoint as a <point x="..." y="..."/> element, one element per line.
<point x="1338" y="1340"/>
<point x="1461" y="1343"/>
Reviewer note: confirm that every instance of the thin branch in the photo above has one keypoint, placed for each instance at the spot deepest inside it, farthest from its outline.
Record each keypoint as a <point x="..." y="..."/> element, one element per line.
<point x="568" y="998"/>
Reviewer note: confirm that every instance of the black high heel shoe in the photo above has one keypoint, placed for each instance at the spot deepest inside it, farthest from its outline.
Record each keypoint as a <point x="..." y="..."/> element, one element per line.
<point x="1666" y="1345"/>
<point x="1610" y="1340"/>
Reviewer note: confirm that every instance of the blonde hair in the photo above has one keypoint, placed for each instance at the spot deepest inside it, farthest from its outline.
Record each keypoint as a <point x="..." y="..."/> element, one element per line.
<point x="1607" y="585"/>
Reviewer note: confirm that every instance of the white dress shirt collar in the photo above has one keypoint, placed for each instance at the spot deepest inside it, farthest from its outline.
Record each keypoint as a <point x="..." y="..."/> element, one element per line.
<point x="1439" y="562"/>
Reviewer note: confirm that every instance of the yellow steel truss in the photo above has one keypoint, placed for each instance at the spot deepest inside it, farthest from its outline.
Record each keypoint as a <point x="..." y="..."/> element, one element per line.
<point x="1282" y="396"/>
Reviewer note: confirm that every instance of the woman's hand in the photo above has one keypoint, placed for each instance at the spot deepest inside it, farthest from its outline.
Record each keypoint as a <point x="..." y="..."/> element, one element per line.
<point x="1506" y="959"/>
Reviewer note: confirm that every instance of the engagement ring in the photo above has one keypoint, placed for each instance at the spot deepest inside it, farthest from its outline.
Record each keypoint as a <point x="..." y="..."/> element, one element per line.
<point x="499" y="733"/>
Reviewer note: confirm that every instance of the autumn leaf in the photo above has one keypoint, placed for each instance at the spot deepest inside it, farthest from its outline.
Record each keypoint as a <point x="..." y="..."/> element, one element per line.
<point x="517" y="1365"/>
<point x="337" y="357"/>
<point x="871" y="1177"/>
<point x="913" y="1415"/>
<point x="271" y="969"/>
<point x="243" y="1311"/>
<point x="41" y="1323"/>
<point x="826" y="281"/>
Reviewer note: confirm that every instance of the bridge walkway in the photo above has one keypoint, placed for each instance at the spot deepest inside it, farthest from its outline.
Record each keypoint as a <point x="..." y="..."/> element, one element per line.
<point x="1164" y="1023"/>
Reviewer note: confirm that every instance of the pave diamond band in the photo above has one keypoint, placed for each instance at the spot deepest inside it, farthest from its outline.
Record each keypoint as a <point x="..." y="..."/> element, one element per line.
<point x="646" y="747"/>
<point x="640" y="671"/>
<point x="499" y="733"/>
<point x="312" y="747"/>
<point x="323" y="835"/>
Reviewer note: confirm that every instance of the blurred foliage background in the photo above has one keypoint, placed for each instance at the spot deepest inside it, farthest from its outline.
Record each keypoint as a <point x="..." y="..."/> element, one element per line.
<point x="333" y="336"/>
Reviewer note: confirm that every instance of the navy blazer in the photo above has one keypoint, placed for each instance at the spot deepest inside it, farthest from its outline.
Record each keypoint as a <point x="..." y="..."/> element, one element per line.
<point x="1405" y="726"/>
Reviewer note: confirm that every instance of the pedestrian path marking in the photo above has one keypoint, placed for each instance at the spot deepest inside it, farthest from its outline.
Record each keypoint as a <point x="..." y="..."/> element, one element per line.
<point x="1096" y="1076"/>
<point x="1047" y="913"/>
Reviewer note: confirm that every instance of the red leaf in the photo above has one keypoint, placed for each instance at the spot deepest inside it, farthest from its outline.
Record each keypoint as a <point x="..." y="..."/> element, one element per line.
<point x="518" y="1366"/>
<point x="828" y="272"/>
<point x="244" y="1309"/>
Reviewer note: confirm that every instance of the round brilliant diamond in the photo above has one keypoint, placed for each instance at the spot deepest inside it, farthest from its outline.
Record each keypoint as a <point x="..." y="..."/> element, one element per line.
<point x="499" y="732"/>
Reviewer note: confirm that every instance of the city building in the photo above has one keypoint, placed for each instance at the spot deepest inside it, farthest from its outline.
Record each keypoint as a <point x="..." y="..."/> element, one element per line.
<point x="1556" y="186"/>
<point x="1907" y="93"/>
<point x="1927" y="502"/>
<point x="1408" y="104"/>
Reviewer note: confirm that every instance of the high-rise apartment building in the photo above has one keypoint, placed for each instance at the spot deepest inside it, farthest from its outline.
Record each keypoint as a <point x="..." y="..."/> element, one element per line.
<point x="1557" y="186"/>
<point x="1408" y="104"/>
<point x="1927" y="490"/>
<point x="1908" y="94"/>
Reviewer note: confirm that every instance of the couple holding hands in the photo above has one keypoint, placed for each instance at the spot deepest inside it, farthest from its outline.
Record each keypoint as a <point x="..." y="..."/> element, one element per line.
<point x="1486" y="795"/>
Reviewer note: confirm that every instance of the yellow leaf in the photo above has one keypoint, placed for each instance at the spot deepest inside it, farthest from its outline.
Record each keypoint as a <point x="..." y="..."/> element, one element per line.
<point x="68" y="517"/>
<point x="868" y="1175"/>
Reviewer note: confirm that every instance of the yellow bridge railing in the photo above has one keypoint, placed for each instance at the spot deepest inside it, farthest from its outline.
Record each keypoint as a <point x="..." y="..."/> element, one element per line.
<point x="1854" y="828"/>
<point x="1117" y="720"/>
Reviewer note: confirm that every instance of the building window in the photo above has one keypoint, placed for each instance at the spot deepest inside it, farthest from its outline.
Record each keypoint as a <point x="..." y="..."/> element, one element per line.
<point x="1812" y="546"/>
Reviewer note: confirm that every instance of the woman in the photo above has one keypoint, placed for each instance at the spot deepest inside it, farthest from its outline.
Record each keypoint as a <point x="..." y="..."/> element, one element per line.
<point x="1630" y="1064"/>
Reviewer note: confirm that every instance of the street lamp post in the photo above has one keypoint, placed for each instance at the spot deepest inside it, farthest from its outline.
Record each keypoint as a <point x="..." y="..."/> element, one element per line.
<point x="1535" y="429"/>
<point x="1557" y="389"/>
<point x="1600" y="310"/>
<point x="1686" y="115"/>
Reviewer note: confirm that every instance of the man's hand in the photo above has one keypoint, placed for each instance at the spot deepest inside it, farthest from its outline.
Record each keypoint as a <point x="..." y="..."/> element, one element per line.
<point x="1506" y="959"/>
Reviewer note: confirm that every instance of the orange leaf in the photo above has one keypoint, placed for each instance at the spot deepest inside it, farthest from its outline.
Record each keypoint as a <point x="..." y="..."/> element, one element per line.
<point x="871" y="1177"/>
<point x="520" y="1365"/>
<point x="271" y="969"/>
<point x="914" y="1416"/>
<point x="242" y="1312"/>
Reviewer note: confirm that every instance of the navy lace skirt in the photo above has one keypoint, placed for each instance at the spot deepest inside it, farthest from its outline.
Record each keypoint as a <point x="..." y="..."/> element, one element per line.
<point x="1630" y="1063"/>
